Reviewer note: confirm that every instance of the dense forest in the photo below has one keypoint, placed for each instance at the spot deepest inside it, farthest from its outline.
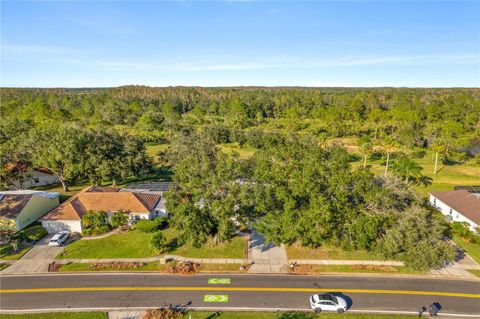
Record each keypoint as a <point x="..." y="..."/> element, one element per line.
<point x="296" y="187"/>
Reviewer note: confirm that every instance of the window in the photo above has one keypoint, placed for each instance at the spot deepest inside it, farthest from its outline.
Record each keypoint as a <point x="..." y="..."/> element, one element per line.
<point x="36" y="180"/>
<point x="450" y="211"/>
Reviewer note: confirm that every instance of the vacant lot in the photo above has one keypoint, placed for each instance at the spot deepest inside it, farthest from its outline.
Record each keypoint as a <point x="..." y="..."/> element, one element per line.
<point x="136" y="244"/>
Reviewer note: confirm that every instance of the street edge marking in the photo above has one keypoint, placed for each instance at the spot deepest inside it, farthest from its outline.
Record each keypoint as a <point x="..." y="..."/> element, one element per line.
<point x="232" y="309"/>
<point x="246" y="289"/>
<point x="140" y="273"/>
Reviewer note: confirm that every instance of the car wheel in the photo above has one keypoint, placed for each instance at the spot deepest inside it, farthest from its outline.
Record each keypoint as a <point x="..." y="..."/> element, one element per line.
<point x="318" y="310"/>
<point x="340" y="310"/>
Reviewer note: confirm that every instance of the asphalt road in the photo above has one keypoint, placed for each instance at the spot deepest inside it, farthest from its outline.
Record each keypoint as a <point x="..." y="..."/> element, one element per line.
<point x="57" y="291"/>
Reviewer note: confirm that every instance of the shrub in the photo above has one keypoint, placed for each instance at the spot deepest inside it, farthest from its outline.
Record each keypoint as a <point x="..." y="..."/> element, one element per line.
<point x="118" y="219"/>
<point x="36" y="233"/>
<point x="95" y="223"/>
<point x="149" y="226"/>
<point x="158" y="242"/>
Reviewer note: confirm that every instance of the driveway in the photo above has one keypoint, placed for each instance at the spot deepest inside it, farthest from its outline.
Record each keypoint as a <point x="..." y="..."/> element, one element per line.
<point x="36" y="259"/>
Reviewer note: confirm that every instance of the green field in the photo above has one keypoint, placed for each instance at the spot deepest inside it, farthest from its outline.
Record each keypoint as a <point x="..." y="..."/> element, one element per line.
<point x="473" y="250"/>
<point x="6" y="252"/>
<point x="136" y="244"/>
<point x="59" y="315"/>
<point x="298" y="252"/>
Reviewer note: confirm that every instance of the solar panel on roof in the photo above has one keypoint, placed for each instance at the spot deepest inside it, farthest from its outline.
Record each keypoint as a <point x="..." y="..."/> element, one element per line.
<point x="152" y="186"/>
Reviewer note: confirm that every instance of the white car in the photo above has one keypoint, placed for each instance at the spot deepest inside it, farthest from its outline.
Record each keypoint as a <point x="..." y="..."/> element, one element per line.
<point x="59" y="238"/>
<point x="328" y="302"/>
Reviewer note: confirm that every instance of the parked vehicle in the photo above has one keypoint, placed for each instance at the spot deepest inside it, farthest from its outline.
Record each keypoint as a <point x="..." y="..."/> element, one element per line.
<point x="59" y="238"/>
<point x="328" y="302"/>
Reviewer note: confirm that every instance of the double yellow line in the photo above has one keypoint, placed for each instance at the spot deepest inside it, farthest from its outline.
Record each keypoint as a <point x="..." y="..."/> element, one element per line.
<point x="245" y="289"/>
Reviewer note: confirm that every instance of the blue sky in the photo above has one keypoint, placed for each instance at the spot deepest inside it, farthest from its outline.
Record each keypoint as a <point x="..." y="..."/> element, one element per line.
<point x="85" y="44"/>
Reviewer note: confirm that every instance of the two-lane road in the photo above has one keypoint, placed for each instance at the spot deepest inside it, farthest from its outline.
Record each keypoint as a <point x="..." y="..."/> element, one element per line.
<point x="57" y="291"/>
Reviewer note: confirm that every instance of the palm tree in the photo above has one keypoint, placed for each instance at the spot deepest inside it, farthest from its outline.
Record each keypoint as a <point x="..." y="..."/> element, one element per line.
<point x="388" y="145"/>
<point x="406" y="168"/>
<point x="365" y="148"/>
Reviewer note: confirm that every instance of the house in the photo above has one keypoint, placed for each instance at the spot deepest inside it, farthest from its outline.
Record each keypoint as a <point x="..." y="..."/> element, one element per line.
<point x="458" y="206"/>
<point x="136" y="204"/>
<point x="34" y="178"/>
<point x="18" y="209"/>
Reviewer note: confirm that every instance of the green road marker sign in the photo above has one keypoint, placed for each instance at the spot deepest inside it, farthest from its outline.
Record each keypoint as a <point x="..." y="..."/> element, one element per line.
<point x="215" y="298"/>
<point x="219" y="281"/>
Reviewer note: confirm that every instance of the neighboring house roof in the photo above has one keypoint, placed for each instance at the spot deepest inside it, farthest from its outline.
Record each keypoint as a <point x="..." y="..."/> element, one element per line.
<point x="12" y="205"/>
<point x="13" y="202"/>
<point x="467" y="204"/>
<point x="103" y="199"/>
<point x="151" y="186"/>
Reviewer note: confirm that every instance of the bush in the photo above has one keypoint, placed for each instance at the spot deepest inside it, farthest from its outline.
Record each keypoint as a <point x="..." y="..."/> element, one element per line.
<point x="33" y="233"/>
<point x="118" y="219"/>
<point x="158" y="242"/>
<point x="149" y="226"/>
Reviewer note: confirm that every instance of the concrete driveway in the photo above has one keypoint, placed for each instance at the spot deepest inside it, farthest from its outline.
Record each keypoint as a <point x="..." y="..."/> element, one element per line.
<point x="36" y="259"/>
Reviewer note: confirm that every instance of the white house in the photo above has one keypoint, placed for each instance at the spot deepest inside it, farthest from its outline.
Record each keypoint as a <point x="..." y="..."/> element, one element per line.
<point x="34" y="178"/>
<point x="458" y="206"/>
<point x="137" y="205"/>
<point x="18" y="209"/>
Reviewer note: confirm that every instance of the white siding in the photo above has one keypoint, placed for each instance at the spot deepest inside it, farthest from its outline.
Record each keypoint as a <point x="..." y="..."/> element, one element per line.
<point x="54" y="226"/>
<point x="451" y="213"/>
<point x="33" y="179"/>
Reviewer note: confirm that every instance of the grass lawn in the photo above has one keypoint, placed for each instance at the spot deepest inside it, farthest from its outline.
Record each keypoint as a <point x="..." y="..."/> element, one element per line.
<point x="473" y="250"/>
<point x="3" y="266"/>
<point x="59" y="315"/>
<point x="153" y="266"/>
<point x="154" y="149"/>
<point x="298" y="252"/>
<point x="287" y="315"/>
<point x="243" y="152"/>
<point x="308" y="269"/>
<point x="136" y="244"/>
<point x="6" y="252"/>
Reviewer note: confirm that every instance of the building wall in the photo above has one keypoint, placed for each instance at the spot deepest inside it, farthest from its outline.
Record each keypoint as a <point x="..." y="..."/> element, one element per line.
<point x="35" y="208"/>
<point x="55" y="226"/>
<point x="33" y="179"/>
<point x="451" y="213"/>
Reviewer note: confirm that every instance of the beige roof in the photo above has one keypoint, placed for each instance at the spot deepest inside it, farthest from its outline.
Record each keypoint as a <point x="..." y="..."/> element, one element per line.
<point x="102" y="199"/>
<point x="467" y="204"/>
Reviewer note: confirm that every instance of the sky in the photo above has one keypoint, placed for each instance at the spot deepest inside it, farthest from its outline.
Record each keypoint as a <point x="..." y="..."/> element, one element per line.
<point x="233" y="43"/>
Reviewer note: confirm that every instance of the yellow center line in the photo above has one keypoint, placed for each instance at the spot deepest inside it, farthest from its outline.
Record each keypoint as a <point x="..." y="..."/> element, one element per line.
<point x="248" y="289"/>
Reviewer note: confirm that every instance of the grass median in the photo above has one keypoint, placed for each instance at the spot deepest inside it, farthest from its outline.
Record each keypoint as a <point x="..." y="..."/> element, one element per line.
<point x="287" y="315"/>
<point x="317" y="269"/>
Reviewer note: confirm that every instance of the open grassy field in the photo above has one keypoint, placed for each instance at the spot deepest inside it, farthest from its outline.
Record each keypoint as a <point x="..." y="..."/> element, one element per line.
<point x="288" y="315"/>
<point x="154" y="149"/>
<point x="243" y="152"/>
<point x="136" y="244"/>
<point x="298" y="252"/>
<point x="59" y="315"/>
<point x="473" y="250"/>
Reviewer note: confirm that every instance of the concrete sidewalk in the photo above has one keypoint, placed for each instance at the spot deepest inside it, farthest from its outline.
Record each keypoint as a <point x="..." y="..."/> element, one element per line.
<point x="266" y="257"/>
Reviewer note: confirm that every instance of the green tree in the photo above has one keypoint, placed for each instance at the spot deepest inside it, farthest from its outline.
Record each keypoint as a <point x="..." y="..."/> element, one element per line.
<point x="159" y="242"/>
<point x="366" y="148"/>
<point x="61" y="150"/>
<point x="406" y="168"/>
<point x="118" y="219"/>
<point x="417" y="239"/>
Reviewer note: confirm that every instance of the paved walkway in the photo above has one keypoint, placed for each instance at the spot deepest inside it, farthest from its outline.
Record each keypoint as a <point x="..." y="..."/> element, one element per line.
<point x="36" y="259"/>
<point x="266" y="257"/>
